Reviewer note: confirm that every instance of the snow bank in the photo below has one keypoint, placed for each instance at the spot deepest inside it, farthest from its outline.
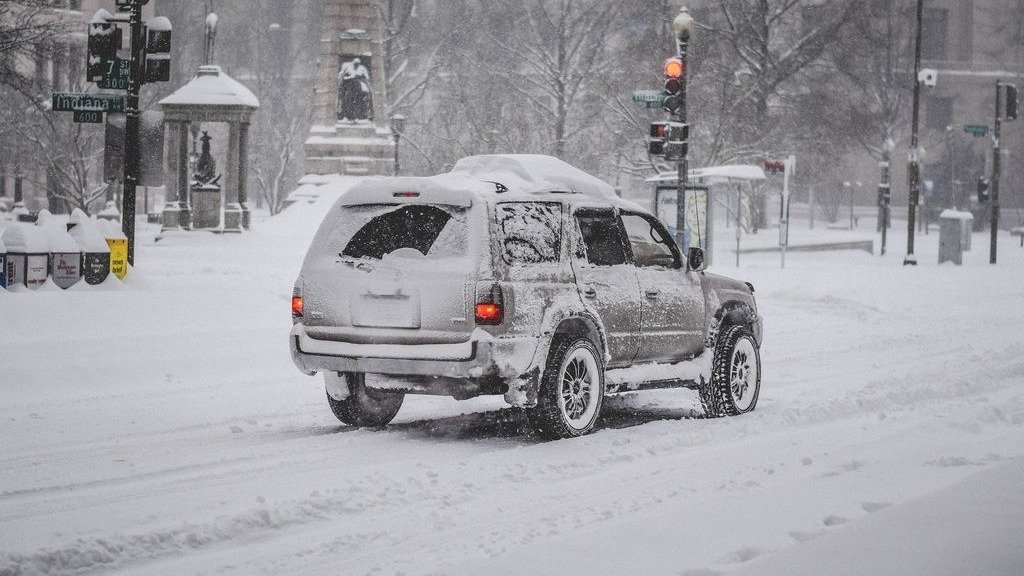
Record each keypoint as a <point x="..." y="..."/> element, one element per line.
<point x="86" y="232"/>
<point x="57" y="237"/>
<point x="26" y="239"/>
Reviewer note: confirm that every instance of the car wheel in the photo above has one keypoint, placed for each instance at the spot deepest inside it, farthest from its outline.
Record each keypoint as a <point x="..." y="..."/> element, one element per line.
<point x="571" y="389"/>
<point x="363" y="406"/>
<point x="735" y="376"/>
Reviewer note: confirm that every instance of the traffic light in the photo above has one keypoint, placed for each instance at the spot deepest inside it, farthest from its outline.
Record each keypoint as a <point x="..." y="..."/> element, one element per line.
<point x="656" y="142"/>
<point x="669" y="139"/>
<point x="675" y="84"/>
<point x="158" y="49"/>
<point x="983" y="185"/>
<point x="1011" y="101"/>
<point x="103" y="44"/>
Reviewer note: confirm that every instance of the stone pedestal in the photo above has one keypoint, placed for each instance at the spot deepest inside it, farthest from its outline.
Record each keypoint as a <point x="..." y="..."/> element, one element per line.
<point x="351" y="29"/>
<point x="206" y="207"/>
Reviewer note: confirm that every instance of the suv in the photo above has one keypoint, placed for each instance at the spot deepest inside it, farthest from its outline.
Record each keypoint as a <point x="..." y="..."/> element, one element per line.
<point x="516" y="275"/>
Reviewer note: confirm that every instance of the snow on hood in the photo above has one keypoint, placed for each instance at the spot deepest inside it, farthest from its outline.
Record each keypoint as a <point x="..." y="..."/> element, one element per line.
<point x="212" y="87"/>
<point x="532" y="173"/>
<point x="26" y="239"/>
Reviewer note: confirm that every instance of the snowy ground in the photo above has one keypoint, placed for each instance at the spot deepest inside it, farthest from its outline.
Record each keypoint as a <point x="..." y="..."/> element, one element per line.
<point x="162" y="429"/>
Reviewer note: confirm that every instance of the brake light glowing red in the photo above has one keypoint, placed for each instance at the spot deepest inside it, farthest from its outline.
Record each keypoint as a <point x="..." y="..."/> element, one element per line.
<point x="406" y="194"/>
<point x="489" y="313"/>
<point x="296" y="306"/>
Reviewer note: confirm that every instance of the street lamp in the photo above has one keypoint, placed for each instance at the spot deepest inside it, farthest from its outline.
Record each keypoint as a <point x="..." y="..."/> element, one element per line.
<point x="849" y="198"/>
<point x="682" y="26"/>
<point x="915" y="152"/>
<point x="885" y="189"/>
<point x="397" y="127"/>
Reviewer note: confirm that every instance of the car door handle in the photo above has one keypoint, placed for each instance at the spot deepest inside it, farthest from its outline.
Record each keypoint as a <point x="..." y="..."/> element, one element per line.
<point x="652" y="293"/>
<point x="589" y="292"/>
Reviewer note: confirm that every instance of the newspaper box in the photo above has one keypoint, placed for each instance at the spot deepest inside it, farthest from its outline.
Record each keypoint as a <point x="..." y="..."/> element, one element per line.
<point x="118" y="244"/>
<point x="27" y="255"/>
<point x="3" y="265"/>
<point x="65" y="255"/>
<point x="95" y="252"/>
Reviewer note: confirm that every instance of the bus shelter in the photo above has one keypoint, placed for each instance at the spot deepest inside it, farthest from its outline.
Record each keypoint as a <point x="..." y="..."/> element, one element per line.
<point x="707" y="192"/>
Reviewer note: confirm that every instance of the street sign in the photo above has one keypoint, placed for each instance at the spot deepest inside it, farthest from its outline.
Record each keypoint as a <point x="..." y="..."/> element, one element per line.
<point x="88" y="116"/>
<point x="976" y="130"/>
<point x="649" y="98"/>
<point x="115" y="74"/>
<point x="71" y="101"/>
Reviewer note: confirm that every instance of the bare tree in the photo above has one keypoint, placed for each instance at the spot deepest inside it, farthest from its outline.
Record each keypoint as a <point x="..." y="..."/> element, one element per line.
<point x="554" y="52"/>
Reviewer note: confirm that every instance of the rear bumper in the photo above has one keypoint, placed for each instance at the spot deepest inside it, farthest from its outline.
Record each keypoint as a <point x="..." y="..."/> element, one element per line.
<point x="475" y="359"/>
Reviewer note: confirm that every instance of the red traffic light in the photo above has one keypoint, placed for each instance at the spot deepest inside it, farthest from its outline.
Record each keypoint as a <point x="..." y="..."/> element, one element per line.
<point x="674" y="68"/>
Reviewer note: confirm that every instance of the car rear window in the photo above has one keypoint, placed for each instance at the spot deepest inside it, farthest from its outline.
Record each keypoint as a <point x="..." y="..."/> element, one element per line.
<point x="377" y="231"/>
<point x="530" y="231"/>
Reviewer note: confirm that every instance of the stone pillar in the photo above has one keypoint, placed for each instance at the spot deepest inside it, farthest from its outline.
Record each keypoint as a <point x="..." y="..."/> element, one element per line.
<point x="232" y="187"/>
<point x="243" y="173"/>
<point x="177" y="212"/>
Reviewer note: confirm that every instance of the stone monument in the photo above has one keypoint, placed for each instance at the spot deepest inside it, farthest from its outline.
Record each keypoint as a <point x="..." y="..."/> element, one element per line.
<point x="350" y="133"/>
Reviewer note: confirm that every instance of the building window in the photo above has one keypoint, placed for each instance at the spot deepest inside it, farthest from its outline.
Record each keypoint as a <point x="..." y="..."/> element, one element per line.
<point x="934" y="33"/>
<point x="938" y="112"/>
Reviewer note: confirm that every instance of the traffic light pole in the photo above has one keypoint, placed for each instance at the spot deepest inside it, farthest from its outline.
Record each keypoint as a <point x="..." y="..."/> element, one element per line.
<point x="997" y="129"/>
<point x="915" y="152"/>
<point x="682" y="167"/>
<point x="131" y="127"/>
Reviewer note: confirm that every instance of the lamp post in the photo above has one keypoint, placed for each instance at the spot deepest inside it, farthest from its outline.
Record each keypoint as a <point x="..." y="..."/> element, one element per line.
<point x="885" y="189"/>
<point x="397" y="127"/>
<point x="682" y="26"/>
<point x="849" y="198"/>
<point x="915" y="152"/>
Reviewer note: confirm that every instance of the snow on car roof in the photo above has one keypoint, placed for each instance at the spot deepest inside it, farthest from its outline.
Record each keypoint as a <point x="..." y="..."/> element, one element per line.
<point x="488" y="176"/>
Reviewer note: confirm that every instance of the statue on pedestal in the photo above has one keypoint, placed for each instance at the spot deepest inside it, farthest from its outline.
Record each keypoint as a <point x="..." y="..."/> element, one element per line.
<point x="355" y="92"/>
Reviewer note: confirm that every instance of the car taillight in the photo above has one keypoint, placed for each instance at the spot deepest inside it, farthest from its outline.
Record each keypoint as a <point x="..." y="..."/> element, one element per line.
<point x="490" y="309"/>
<point x="297" y="301"/>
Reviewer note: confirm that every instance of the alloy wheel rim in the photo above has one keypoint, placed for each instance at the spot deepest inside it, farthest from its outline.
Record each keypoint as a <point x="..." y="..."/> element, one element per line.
<point x="578" y="394"/>
<point x="743" y="374"/>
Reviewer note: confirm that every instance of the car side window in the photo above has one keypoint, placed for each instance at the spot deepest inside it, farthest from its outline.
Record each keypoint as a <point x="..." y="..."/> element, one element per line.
<point x="649" y="242"/>
<point x="530" y="231"/>
<point x="602" y="240"/>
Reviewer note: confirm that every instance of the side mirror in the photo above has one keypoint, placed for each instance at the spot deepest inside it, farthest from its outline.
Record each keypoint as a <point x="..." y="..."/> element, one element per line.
<point x="695" y="259"/>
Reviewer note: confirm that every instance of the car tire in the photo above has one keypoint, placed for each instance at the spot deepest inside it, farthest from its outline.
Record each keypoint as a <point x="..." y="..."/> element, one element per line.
<point x="735" y="375"/>
<point x="363" y="406"/>
<point x="571" y="389"/>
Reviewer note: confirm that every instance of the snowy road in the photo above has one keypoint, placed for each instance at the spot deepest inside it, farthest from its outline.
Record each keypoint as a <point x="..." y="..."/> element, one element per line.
<point x="162" y="429"/>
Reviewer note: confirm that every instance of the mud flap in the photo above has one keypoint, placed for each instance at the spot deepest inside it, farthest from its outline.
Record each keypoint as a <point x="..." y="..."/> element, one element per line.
<point x="337" y="385"/>
<point x="522" y="390"/>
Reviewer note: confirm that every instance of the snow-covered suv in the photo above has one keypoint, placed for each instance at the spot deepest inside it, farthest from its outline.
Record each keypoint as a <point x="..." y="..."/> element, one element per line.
<point x="516" y="275"/>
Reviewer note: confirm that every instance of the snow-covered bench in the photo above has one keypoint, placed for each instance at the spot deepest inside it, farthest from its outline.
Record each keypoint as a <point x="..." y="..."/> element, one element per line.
<point x="1018" y="231"/>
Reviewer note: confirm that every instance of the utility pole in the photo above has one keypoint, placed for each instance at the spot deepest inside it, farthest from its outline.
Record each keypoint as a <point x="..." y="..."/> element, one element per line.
<point x="915" y="151"/>
<point x="131" y="122"/>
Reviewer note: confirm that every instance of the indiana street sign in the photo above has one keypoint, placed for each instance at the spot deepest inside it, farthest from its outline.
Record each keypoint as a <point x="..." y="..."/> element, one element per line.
<point x="976" y="130"/>
<point x="88" y="116"/>
<point x="115" y="74"/>
<point x="649" y="98"/>
<point x="70" y="101"/>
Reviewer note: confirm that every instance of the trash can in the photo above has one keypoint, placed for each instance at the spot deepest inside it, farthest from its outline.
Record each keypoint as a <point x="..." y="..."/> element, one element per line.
<point x="65" y="255"/>
<point x="27" y="255"/>
<point x="118" y="244"/>
<point x="952" y="234"/>
<point x="95" y="252"/>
